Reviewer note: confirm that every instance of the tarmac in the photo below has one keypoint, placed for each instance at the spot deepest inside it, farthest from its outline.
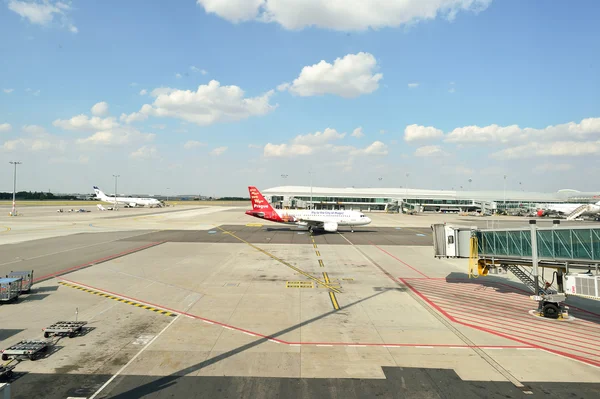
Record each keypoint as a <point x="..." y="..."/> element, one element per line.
<point x="209" y="302"/>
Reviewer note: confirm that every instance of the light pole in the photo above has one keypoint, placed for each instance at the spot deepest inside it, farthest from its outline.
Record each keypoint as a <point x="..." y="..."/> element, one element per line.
<point x="311" y="201"/>
<point x="116" y="177"/>
<point x="505" y="193"/>
<point x="168" y="194"/>
<point x="15" y="163"/>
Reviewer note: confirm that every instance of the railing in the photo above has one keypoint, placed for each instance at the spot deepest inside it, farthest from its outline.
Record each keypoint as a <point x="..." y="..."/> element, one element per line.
<point x="557" y="243"/>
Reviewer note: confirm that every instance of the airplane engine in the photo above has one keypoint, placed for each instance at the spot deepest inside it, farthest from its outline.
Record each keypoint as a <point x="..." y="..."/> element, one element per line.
<point x="541" y="212"/>
<point x="330" y="226"/>
<point x="132" y="204"/>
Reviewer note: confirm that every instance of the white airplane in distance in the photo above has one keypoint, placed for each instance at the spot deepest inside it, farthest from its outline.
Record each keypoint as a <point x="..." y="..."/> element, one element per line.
<point x="127" y="201"/>
<point x="313" y="219"/>
<point x="568" y="209"/>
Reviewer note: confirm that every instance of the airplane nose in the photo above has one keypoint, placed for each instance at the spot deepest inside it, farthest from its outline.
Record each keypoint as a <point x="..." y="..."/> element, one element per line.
<point x="368" y="220"/>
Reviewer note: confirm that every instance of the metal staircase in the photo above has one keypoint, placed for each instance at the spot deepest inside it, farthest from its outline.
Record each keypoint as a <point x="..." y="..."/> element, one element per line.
<point x="525" y="278"/>
<point x="578" y="212"/>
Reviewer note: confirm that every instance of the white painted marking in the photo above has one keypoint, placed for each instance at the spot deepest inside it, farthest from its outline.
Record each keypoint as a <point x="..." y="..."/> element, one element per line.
<point x="209" y="322"/>
<point x="133" y="358"/>
<point x="294" y="344"/>
<point x="424" y="347"/>
<point x="358" y="346"/>
<point x="189" y="317"/>
<point x="491" y="348"/>
<point x="403" y="382"/>
<point x="390" y="346"/>
<point x="143" y="339"/>
<point x="459" y="347"/>
<point x="528" y="392"/>
<point x="272" y="340"/>
<point x="324" y="345"/>
<point x="229" y="328"/>
<point x="247" y="333"/>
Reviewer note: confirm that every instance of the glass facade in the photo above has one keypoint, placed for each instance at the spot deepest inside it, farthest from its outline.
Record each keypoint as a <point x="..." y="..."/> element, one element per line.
<point x="563" y="244"/>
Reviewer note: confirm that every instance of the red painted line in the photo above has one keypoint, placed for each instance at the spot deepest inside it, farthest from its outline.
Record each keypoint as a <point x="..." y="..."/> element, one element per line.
<point x="533" y="345"/>
<point x="286" y="342"/>
<point x="474" y="294"/>
<point x="105" y="259"/>
<point x="399" y="260"/>
<point x="497" y="283"/>
<point x="518" y="314"/>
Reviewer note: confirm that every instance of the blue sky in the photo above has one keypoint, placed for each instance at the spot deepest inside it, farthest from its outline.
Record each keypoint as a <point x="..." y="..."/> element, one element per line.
<point x="533" y="64"/>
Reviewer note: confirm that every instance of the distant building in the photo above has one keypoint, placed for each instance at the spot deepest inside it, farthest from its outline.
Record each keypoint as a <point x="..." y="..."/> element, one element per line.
<point x="394" y="199"/>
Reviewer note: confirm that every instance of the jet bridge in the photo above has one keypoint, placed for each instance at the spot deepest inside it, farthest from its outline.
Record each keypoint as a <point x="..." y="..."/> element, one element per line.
<point x="571" y="253"/>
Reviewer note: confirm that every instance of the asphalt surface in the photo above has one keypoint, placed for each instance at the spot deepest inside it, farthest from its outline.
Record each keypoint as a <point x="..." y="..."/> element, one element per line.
<point x="292" y="235"/>
<point x="51" y="255"/>
<point x="399" y="383"/>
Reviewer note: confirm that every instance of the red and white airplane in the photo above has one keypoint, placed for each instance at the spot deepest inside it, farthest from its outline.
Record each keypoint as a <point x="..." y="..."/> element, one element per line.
<point x="568" y="209"/>
<point x="311" y="218"/>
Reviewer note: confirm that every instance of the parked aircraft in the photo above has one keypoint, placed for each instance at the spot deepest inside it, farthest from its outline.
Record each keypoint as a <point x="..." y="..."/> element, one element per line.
<point x="311" y="218"/>
<point x="571" y="211"/>
<point x="127" y="201"/>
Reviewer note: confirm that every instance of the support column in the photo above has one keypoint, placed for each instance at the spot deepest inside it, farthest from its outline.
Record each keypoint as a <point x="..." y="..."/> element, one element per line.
<point x="534" y="255"/>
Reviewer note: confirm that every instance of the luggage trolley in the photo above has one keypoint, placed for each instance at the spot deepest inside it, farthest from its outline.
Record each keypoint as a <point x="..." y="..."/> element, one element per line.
<point x="26" y="276"/>
<point x="6" y="370"/>
<point x="30" y="349"/>
<point x="10" y="289"/>
<point x="70" y="328"/>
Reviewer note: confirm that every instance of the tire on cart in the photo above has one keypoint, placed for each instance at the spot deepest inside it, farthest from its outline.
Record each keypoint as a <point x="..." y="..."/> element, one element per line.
<point x="46" y="334"/>
<point x="71" y="334"/>
<point x="4" y="357"/>
<point x="550" y="311"/>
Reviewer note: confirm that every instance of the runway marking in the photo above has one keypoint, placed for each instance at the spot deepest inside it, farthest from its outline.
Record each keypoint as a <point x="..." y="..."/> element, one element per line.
<point x="132" y="360"/>
<point x="95" y="262"/>
<point x="299" y="284"/>
<point x="321" y="263"/>
<point x="334" y="301"/>
<point x="305" y="274"/>
<point x="116" y="298"/>
<point x="253" y="225"/>
<point x="331" y="344"/>
<point x="6" y="229"/>
<point x="314" y="245"/>
<point x="318" y="253"/>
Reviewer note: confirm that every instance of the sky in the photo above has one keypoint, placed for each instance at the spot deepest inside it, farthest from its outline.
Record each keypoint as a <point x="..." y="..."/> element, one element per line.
<point x="210" y="96"/>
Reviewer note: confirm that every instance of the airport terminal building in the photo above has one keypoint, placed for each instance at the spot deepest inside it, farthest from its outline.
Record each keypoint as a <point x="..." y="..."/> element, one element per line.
<point x="397" y="199"/>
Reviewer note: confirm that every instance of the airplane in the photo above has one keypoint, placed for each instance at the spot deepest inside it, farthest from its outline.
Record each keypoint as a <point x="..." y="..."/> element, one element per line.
<point x="567" y="209"/>
<point x="313" y="219"/>
<point x="131" y="202"/>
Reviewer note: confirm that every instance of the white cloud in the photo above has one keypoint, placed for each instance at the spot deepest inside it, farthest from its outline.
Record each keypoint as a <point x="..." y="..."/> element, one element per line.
<point x="421" y="133"/>
<point x="43" y="13"/>
<point x="348" y="77"/>
<point x="8" y="91"/>
<point x="348" y="15"/>
<point x="133" y="84"/>
<point x="193" y="144"/>
<point x="553" y="167"/>
<point x="143" y="92"/>
<point x="218" y="151"/>
<point x="210" y="103"/>
<point x="145" y="152"/>
<point x="452" y="90"/>
<point x="382" y="131"/>
<point x="413" y="85"/>
<point x="159" y="126"/>
<point x="284" y="150"/>
<point x="36" y="143"/>
<point x="117" y="136"/>
<point x="100" y="109"/>
<point x="196" y="69"/>
<point x="84" y="122"/>
<point x="557" y="149"/>
<point x="82" y="160"/>
<point x="283" y="87"/>
<point x="178" y="75"/>
<point x="137" y="116"/>
<point x="429" y="151"/>
<point x="509" y="134"/>
<point x="5" y="127"/>
<point x="358" y="132"/>
<point x="318" y="138"/>
<point x="37" y="93"/>
<point x="376" y="148"/>
<point x="255" y="146"/>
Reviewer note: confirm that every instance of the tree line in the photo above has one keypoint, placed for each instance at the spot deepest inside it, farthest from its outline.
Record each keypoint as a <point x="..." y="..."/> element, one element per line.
<point x="35" y="195"/>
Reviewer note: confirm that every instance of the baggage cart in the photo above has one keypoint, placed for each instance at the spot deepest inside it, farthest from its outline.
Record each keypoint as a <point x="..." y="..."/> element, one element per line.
<point x="30" y="349"/>
<point x="10" y="289"/>
<point x="70" y="328"/>
<point x="26" y="276"/>
<point x="6" y="370"/>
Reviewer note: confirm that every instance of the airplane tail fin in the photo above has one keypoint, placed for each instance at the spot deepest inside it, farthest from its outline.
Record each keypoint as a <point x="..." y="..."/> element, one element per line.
<point x="99" y="193"/>
<point x="259" y="203"/>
